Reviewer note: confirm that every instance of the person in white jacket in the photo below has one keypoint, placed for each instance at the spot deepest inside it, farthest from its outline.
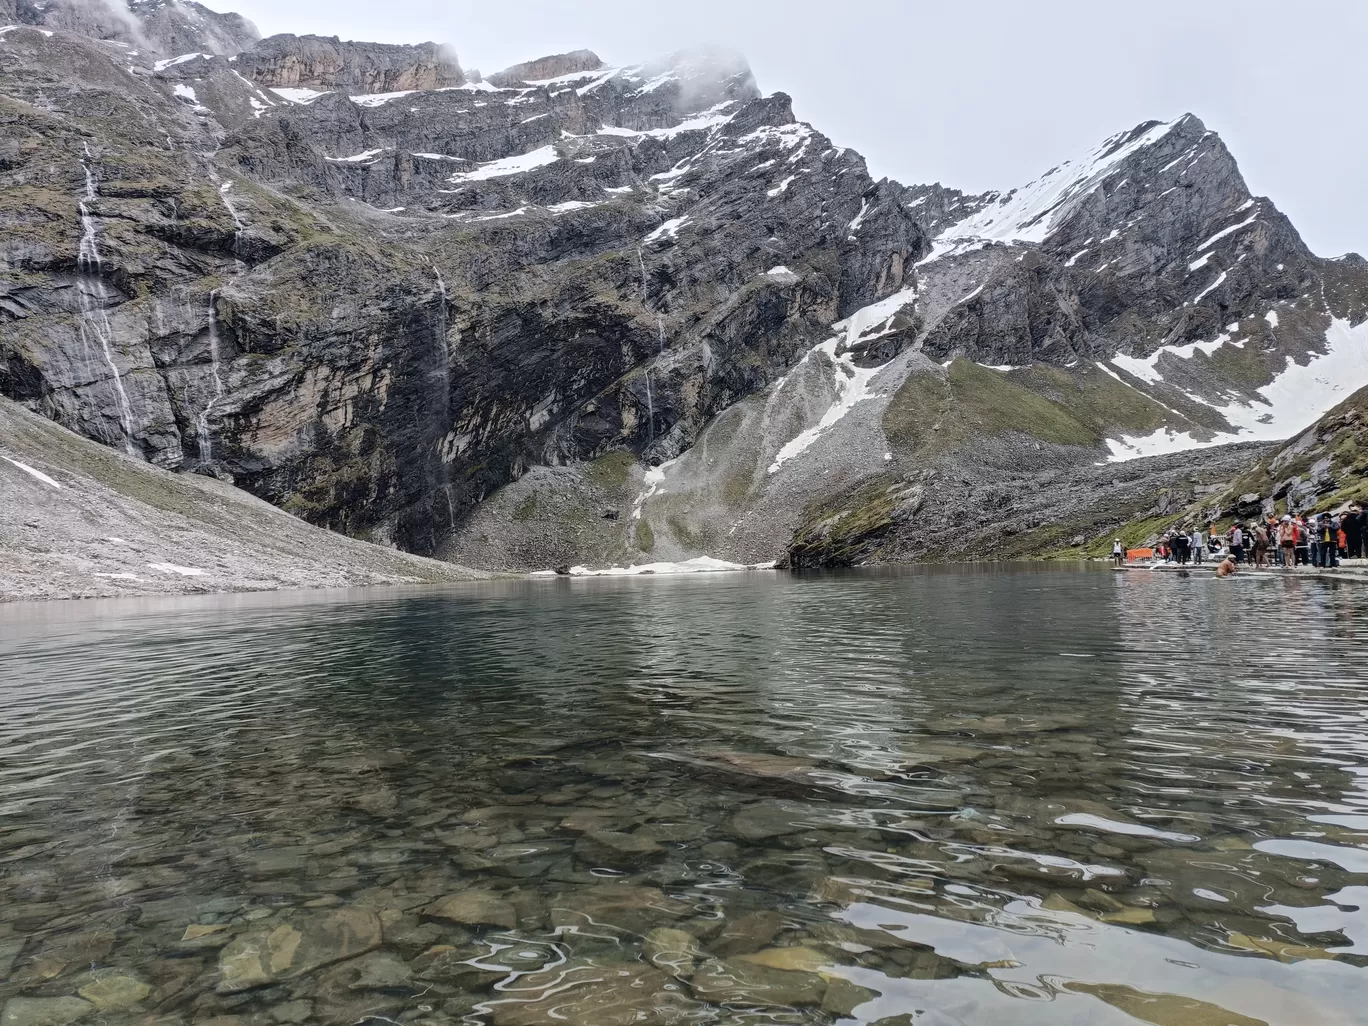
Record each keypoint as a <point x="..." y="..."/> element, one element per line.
<point x="1198" y="544"/>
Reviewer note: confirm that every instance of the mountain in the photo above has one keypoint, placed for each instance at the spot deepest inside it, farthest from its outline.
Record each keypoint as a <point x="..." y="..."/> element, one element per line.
<point x="573" y="312"/>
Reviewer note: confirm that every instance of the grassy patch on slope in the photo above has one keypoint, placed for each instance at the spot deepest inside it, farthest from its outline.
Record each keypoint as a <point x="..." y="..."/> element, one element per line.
<point x="934" y="413"/>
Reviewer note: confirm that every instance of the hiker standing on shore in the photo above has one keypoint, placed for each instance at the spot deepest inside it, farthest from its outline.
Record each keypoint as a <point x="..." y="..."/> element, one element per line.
<point x="1118" y="553"/>
<point x="1328" y="530"/>
<point x="1260" y="545"/>
<point x="1237" y="543"/>
<point x="1287" y="543"/>
<point x="1198" y="545"/>
<point x="1352" y="525"/>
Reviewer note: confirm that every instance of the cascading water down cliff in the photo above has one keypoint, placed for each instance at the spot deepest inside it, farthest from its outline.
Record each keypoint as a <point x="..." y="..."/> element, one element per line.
<point x="203" y="437"/>
<point x="94" y="319"/>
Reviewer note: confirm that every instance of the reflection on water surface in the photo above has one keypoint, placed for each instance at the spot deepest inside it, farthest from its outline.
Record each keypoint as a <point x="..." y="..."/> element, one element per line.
<point x="926" y="798"/>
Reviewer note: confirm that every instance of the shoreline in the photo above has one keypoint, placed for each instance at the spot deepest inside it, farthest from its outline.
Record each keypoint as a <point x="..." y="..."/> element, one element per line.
<point x="1356" y="574"/>
<point x="326" y="591"/>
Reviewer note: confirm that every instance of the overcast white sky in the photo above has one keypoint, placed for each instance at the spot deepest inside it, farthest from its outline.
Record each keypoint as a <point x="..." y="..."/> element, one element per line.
<point x="976" y="94"/>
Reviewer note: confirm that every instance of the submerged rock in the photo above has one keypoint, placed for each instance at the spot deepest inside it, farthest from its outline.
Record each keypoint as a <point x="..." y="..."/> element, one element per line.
<point x="287" y="950"/>
<point x="616" y="850"/>
<point x="585" y="994"/>
<point x="474" y="908"/>
<point x="671" y="950"/>
<point x="748" y="934"/>
<point x="115" y="993"/>
<point x="58" y="1011"/>
<point x="765" y="820"/>
<point x="624" y="906"/>
<point x="736" y="982"/>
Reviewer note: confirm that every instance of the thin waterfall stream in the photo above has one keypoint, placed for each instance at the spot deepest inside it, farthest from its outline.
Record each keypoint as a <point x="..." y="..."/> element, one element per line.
<point x="94" y="318"/>
<point x="203" y="437"/>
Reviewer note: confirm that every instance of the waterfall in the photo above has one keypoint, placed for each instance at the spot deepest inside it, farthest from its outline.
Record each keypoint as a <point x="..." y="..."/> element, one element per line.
<point x="660" y="334"/>
<point x="202" y="435"/>
<point x="650" y="408"/>
<point x="94" y="319"/>
<point x="232" y="212"/>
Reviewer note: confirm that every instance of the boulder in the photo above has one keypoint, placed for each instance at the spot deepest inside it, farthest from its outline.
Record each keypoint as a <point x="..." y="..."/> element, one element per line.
<point x="473" y="908"/>
<point x="57" y="1011"/>
<point x="736" y="982"/>
<point x="283" y="951"/>
<point x="615" y="850"/>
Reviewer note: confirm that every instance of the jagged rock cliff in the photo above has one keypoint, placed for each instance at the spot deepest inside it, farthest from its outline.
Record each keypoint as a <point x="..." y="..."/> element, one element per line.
<point x="316" y="62"/>
<point x="160" y="26"/>
<point x="579" y="312"/>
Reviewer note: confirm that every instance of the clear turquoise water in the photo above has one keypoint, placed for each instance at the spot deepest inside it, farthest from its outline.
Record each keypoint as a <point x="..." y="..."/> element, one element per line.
<point x="957" y="796"/>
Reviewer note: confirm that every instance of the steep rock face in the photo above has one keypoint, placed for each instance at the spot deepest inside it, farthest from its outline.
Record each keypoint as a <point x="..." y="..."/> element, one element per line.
<point x="325" y="62"/>
<point x="162" y="26"/>
<point x="575" y="269"/>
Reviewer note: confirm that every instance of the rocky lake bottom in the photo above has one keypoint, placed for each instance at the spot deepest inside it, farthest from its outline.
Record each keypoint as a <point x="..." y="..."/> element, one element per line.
<point x="944" y="797"/>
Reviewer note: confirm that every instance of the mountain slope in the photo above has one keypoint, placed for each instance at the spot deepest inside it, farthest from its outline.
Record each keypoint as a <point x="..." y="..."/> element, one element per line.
<point x="578" y="313"/>
<point x="81" y="521"/>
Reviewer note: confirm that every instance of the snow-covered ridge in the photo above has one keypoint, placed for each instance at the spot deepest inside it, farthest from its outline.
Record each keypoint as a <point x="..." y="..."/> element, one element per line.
<point x="1030" y="214"/>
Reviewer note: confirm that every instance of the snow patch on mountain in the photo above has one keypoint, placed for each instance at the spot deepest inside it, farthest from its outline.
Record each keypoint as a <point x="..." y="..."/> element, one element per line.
<point x="852" y="381"/>
<point x="1300" y="394"/>
<point x="508" y="166"/>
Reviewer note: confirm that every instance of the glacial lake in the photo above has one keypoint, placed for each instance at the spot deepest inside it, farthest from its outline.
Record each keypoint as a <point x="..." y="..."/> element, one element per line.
<point x="942" y="797"/>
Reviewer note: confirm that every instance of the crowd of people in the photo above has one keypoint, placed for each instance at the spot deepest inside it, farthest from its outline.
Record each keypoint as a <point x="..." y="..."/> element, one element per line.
<point x="1292" y="540"/>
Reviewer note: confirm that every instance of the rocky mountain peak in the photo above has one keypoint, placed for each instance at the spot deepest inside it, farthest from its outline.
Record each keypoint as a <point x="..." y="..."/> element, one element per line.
<point x="546" y="68"/>
<point x="327" y="63"/>
<point x="159" y="26"/>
